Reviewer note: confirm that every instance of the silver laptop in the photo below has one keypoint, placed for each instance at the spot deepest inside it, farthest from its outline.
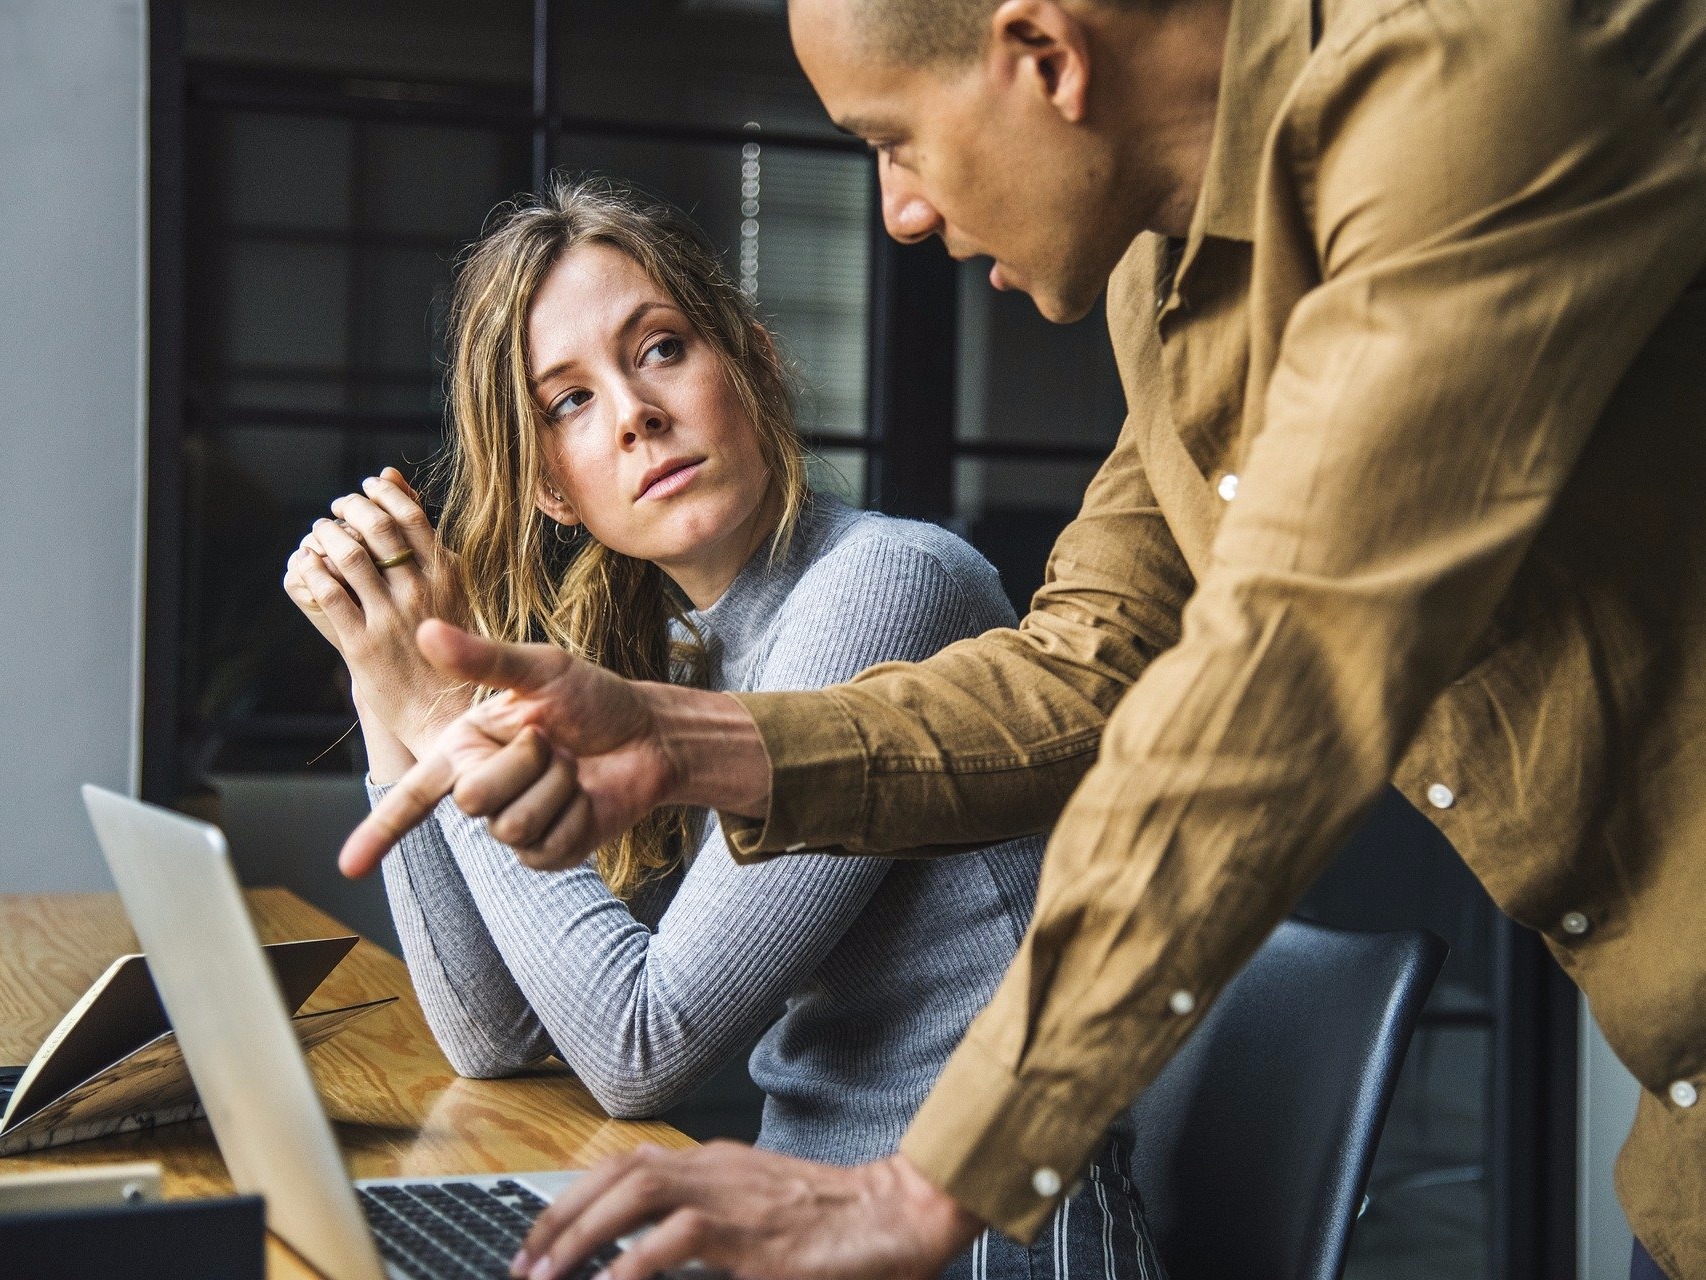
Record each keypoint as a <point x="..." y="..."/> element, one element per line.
<point x="174" y="875"/>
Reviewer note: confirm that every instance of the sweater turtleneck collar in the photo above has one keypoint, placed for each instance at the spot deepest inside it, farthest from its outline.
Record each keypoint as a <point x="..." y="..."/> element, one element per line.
<point x="734" y="628"/>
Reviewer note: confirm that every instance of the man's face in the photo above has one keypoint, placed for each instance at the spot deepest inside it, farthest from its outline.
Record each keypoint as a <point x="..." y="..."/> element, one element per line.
<point x="979" y="156"/>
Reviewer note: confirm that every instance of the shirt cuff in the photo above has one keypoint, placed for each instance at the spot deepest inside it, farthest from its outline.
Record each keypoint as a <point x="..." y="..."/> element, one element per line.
<point x="1006" y="1149"/>
<point x="818" y="777"/>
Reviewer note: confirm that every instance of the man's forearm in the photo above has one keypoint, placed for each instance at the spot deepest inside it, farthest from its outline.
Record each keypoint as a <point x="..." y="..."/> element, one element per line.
<point x="985" y="740"/>
<point x="715" y="755"/>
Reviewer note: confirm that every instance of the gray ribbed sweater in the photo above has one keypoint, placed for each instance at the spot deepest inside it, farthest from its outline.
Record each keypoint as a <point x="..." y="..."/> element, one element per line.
<point x="876" y="966"/>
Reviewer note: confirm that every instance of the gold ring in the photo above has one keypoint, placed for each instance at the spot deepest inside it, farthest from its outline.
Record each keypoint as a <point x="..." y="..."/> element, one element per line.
<point x="402" y="557"/>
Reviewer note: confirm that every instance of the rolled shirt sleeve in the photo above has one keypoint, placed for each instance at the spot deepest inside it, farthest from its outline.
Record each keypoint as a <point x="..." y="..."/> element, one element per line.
<point x="986" y="740"/>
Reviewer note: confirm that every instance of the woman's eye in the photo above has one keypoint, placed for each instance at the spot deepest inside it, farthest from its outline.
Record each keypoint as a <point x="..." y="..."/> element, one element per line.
<point x="664" y="349"/>
<point x="570" y="400"/>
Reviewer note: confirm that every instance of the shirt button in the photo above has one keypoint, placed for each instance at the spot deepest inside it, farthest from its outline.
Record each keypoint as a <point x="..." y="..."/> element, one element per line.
<point x="1228" y="487"/>
<point x="1045" y="1182"/>
<point x="1441" y="796"/>
<point x="1575" y="924"/>
<point x="1684" y="1094"/>
<point x="1181" y="1002"/>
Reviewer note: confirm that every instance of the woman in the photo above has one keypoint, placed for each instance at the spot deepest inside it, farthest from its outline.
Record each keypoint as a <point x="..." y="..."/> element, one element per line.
<point x="627" y="482"/>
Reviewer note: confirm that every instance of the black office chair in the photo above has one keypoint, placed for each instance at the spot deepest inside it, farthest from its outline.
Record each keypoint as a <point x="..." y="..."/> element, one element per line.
<point x="1254" y="1144"/>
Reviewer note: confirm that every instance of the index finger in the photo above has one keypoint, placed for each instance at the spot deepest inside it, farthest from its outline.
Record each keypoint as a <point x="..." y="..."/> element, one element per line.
<point x="409" y="803"/>
<point x="602" y="1203"/>
<point x="403" y="505"/>
<point x="396" y="477"/>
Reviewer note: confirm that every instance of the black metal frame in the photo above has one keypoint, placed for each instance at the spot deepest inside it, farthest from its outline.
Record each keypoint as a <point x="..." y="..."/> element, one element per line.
<point x="1533" y="1150"/>
<point x="163" y="555"/>
<point x="913" y="358"/>
<point x="910" y="451"/>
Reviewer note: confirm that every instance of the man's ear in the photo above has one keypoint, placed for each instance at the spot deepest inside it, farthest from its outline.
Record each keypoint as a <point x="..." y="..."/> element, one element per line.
<point x="1041" y="43"/>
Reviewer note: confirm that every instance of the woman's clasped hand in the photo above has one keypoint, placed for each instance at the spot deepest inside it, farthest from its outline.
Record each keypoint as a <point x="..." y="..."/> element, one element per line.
<point x="367" y="577"/>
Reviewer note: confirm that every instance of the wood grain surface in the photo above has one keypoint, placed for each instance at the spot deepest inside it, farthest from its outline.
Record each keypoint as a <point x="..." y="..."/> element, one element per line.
<point x="396" y="1105"/>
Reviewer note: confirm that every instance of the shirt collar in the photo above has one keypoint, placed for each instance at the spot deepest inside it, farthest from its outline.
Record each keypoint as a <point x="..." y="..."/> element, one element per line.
<point x="1267" y="43"/>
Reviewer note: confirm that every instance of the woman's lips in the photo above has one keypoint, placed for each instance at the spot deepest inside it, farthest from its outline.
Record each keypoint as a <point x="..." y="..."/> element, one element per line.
<point x="672" y="482"/>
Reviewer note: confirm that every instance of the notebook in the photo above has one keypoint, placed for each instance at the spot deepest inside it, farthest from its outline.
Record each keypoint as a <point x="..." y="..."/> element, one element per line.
<point x="113" y="1064"/>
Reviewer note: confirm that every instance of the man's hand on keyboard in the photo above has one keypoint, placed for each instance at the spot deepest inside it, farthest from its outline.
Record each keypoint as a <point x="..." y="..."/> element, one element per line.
<point x="754" y="1214"/>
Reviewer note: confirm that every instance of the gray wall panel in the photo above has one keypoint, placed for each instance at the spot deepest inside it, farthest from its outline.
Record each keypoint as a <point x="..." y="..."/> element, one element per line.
<point x="72" y="94"/>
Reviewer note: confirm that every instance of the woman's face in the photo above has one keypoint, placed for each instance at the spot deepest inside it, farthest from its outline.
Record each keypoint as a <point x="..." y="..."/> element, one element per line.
<point x="646" y="441"/>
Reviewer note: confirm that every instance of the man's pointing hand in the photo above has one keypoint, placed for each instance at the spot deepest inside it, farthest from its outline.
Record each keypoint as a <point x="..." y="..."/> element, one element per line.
<point x="566" y="756"/>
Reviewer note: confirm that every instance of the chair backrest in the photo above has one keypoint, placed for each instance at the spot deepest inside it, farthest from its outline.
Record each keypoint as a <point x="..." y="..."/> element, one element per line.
<point x="1254" y="1144"/>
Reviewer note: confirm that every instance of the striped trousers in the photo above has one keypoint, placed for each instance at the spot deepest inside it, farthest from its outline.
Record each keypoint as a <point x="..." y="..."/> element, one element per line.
<point x="1097" y="1234"/>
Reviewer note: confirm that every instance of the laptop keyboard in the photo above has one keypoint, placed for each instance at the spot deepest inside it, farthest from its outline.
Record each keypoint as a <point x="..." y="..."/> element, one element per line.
<point x="456" y="1230"/>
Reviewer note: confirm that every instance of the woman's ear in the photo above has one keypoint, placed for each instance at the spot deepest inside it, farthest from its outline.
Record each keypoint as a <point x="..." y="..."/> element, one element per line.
<point x="552" y="503"/>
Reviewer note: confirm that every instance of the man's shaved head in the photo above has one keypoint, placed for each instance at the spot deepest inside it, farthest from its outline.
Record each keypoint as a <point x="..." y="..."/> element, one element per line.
<point x="918" y="33"/>
<point x="1041" y="134"/>
<point x="923" y="33"/>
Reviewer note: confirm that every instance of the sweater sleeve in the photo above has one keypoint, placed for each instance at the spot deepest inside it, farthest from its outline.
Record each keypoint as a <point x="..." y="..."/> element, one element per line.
<point x="643" y="1017"/>
<point x="478" y="1015"/>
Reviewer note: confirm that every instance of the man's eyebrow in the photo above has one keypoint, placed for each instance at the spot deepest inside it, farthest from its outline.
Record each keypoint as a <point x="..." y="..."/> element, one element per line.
<point x="638" y="314"/>
<point x="859" y="127"/>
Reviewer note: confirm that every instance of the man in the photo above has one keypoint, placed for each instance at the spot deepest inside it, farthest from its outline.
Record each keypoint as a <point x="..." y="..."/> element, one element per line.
<point x="1407" y="303"/>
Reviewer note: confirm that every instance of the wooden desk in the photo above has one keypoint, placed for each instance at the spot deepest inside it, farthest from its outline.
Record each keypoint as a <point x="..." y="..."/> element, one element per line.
<point x="395" y="1103"/>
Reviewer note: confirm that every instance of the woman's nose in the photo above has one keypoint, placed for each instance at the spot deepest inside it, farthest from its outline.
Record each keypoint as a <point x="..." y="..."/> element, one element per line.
<point x="640" y="419"/>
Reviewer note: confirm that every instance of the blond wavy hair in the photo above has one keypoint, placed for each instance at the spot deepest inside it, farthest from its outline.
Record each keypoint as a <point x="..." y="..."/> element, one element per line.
<point x="524" y="579"/>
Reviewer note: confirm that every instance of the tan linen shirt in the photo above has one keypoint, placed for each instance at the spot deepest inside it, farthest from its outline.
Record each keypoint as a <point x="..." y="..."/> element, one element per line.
<point x="1413" y="486"/>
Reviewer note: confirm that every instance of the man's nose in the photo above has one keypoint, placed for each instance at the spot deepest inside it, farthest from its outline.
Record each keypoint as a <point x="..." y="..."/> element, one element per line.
<point x="907" y="215"/>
